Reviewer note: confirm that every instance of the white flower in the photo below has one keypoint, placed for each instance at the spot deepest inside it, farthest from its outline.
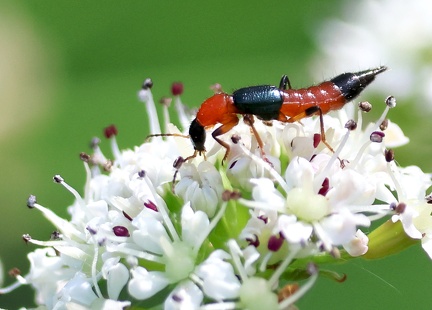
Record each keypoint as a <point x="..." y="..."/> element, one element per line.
<point x="78" y="293"/>
<point x="358" y="245"/>
<point x="185" y="296"/>
<point x="177" y="255"/>
<point x="219" y="279"/>
<point x="201" y="185"/>
<point x="117" y="275"/>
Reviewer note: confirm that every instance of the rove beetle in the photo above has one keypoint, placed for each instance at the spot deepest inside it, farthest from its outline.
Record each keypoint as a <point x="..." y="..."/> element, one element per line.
<point x="282" y="103"/>
<point x="268" y="102"/>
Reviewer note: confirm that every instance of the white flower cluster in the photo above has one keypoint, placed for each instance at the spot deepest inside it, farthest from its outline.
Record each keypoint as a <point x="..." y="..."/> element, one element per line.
<point x="225" y="237"/>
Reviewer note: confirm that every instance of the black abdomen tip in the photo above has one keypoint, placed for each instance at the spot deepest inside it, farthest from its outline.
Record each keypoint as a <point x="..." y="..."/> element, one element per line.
<point x="352" y="84"/>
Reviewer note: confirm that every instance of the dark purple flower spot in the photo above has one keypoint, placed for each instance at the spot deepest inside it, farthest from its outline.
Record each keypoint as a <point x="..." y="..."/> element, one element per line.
<point x="150" y="205"/>
<point x="121" y="231"/>
<point x="275" y="243"/>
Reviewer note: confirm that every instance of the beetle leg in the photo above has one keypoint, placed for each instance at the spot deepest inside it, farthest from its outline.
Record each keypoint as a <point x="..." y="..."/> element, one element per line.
<point x="179" y="162"/>
<point x="284" y="82"/>
<point x="249" y="120"/>
<point x="224" y="128"/>
<point x="306" y="113"/>
<point x="323" y="138"/>
<point x="309" y="112"/>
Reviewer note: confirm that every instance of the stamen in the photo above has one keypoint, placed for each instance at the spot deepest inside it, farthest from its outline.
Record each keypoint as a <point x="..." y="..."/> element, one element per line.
<point x="26" y="238"/>
<point x="321" y="177"/>
<point x="12" y="287"/>
<point x="84" y="157"/>
<point x="351" y="125"/>
<point x="263" y="218"/>
<point x="389" y="155"/>
<point x="98" y="158"/>
<point x="226" y="305"/>
<point x="147" y="84"/>
<point x="166" y="102"/>
<point x="399" y="191"/>
<point x="376" y="137"/>
<point x="265" y="165"/>
<point x="316" y="140"/>
<point x="253" y="241"/>
<point x="390" y="102"/>
<point x="87" y="186"/>
<point x="94" y="270"/>
<point x="182" y="111"/>
<point x="275" y="243"/>
<point x="177" y="88"/>
<point x="365" y="106"/>
<point x="122" y="248"/>
<point x="31" y="201"/>
<point x="325" y="187"/>
<point x="235" y="255"/>
<point x="64" y="226"/>
<point x="177" y="298"/>
<point x="91" y="230"/>
<point x="51" y="243"/>
<point x="400" y="208"/>
<point x="94" y="143"/>
<point x="210" y="228"/>
<point x="56" y="235"/>
<point x="111" y="133"/>
<point x="146" y="96"/>
<point x="58" y="179"/>
<point x="384" y="124"/>
<point x="151" y="205"/>
<point x="127" y="216"/>
<point x="294" y="249"/>
<point x="121" y="231"/>
<point x="264" y="261"/>
<point x="163" y="210"/>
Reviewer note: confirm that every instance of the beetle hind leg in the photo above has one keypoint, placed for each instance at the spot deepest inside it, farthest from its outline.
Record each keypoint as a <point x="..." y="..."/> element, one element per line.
<point x="309" y="112"/>
<point x="284" y="83"/>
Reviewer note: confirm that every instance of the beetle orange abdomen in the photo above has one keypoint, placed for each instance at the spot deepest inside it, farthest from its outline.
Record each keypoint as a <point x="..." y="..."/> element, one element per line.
<point x="325" y="95"/>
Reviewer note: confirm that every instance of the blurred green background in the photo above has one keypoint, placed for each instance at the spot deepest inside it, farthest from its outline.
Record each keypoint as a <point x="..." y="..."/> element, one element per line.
<point x="70" y="68"/>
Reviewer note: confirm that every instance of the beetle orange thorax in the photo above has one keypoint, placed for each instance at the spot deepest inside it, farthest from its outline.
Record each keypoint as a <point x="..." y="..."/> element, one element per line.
<point x="215" y="109"/>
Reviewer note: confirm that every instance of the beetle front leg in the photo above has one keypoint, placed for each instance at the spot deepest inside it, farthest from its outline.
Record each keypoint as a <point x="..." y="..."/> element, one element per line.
<point x="224" y="128"/>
